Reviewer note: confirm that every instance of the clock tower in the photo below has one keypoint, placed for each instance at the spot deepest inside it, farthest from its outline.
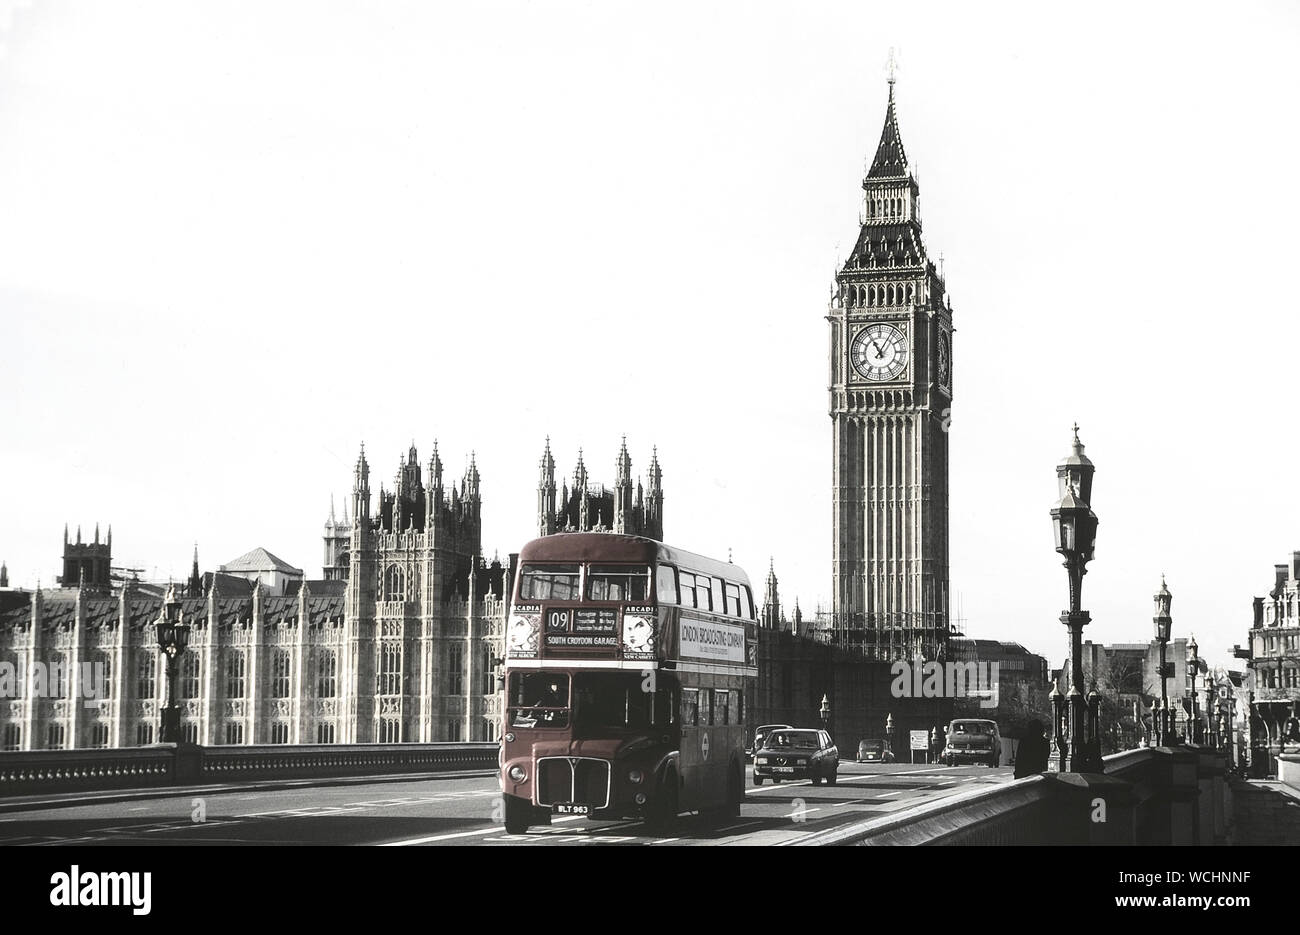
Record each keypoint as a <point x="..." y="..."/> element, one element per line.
<point x="890" y="407"/>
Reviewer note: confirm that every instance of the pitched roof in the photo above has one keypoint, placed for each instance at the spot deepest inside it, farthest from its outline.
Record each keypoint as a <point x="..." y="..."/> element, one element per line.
<point x="890" y="159"/>
<point x="260" y="560"/>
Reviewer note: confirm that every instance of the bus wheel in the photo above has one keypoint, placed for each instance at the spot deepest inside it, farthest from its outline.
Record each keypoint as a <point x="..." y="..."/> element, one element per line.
<point x="518" y="813"/>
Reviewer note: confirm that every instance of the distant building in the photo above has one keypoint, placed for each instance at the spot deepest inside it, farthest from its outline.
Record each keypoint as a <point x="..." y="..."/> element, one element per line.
<point x="1128" y="673"/>
<point x="1275" y="636"/>
<point x="87" y="564"/>
<point x="275" y="575"/>
<point x="1274" y="653"/>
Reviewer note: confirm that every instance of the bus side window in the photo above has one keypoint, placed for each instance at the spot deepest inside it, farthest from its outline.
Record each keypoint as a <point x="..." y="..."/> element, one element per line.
<point x="722" y="706"/>
<point x="733" y="599"/>
<point x="666" y="584"/>
<point x="746" y="608"/>
<point x="718" y="603"/>
<point x="686" y="587"/>
<point x="706" y="708"/>
<point x="690" y="707"/>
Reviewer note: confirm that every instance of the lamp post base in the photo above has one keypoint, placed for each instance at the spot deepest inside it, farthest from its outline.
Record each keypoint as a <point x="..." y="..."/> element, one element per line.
<point x="170" y="724"/>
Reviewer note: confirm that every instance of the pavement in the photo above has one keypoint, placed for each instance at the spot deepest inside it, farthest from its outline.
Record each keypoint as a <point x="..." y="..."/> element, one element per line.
<point x="1265" y="812"/>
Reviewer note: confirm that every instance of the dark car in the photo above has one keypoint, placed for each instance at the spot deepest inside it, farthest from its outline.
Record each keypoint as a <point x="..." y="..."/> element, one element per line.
<point x="874" y="751"/>
<point x="972" y="740"/>
<point x="760" y="734"/>
<point x="797" y="753"/>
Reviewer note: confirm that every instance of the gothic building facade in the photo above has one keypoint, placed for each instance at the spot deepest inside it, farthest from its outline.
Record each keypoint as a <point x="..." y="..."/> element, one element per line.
<point x="890" y="406"/>
<point x="592" y="507"/>
<point x="425" y="613"/>
<point x="397" y="642"/>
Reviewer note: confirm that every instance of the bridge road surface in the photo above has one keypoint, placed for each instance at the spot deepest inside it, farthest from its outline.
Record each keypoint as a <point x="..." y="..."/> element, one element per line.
<point x="462" y="810"/>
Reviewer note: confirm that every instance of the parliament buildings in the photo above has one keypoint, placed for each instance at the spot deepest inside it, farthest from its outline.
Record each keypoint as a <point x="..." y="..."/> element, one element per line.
<point x="398" y="641"/>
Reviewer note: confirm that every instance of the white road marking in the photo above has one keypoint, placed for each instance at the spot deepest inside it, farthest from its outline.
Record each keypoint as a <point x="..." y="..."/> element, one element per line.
<point x="451" y="837"/>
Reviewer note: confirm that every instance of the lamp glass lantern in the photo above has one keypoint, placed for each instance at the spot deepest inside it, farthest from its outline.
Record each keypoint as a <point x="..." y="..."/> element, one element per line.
<point x="1075" y="528"/>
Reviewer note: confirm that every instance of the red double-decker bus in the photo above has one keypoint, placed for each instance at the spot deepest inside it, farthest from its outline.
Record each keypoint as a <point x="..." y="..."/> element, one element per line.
<point x="627" y="664"/>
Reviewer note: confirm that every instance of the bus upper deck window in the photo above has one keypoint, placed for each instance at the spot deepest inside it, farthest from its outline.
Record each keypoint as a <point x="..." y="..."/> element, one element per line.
<point x="549" y="582"/>
<point x="733" y="599"/>
<point x="666" y="584"/>
<point x="618" y="582"/>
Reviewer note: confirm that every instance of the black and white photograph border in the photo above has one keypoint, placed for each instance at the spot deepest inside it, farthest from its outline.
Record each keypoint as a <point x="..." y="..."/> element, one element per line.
<point x="734" y="500"/>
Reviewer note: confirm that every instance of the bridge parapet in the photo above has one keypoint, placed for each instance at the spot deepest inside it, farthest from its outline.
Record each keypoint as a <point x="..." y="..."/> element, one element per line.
<point x="1148" y="796"/>
<point x="162" y="765"/>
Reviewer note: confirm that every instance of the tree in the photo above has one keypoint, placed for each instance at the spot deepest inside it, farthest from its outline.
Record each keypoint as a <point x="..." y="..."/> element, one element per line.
<point x="1119" y="678"/>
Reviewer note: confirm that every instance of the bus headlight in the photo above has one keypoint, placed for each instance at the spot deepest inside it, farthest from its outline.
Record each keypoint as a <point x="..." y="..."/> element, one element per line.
<point x="510" y="736"/>
<point x="635" y="776"/>
<point x="518" y="773"/>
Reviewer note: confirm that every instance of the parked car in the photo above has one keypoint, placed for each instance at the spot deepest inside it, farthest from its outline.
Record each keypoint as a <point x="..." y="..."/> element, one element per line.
<point x="874" y="751"/>
<point x="972" y="740"/>
<point x="760" y="733"/>
<point x="797" y="753"/>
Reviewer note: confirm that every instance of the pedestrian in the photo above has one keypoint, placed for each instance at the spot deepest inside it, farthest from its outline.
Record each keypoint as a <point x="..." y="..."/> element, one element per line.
<point x="1031" y="756"/>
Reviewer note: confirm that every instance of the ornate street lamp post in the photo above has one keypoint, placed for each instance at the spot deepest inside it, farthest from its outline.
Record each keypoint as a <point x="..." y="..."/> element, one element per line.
<point x="1164" y="623"/>
<point x="889" y="732"/>
<point x="1075" y="528"/>
<point x="173" y="637"/>
<point x="826" y="714"/>
<point x="1193" y="664"/>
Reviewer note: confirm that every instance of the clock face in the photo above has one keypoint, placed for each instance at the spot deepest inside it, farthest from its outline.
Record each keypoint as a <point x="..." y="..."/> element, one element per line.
<point x="879" y="352"/>
<point x="945" y="365"/>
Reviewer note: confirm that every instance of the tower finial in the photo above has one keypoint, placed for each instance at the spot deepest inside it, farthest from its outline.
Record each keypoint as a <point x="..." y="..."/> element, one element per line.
<point x="892" y="65"/>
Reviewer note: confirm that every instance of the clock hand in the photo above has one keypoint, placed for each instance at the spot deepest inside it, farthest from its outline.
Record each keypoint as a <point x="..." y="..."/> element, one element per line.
<point x="879" y="353"/>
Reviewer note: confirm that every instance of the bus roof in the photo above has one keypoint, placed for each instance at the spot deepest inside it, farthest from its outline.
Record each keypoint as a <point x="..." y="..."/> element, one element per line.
<point x="613" y="547"/>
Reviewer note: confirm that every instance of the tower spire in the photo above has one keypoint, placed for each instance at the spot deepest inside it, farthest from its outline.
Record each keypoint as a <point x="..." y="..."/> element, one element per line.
<point x="891" y="159"/>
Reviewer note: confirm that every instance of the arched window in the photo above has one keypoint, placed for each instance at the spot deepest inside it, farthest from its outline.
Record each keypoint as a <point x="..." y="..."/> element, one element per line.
<point x="103" y="674"/>
<point x="235" y="676"/>
<point x="190" y="674"/>
<point x="395" y="584"/>
<point x="145" y="676"/>
<point x="281" y="667"/>
<point x="326" y="674"/>
<point x="390" y="669"/>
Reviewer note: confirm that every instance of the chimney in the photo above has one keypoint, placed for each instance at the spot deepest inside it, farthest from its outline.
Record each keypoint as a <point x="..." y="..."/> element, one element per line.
<point x="1259" y="612"/>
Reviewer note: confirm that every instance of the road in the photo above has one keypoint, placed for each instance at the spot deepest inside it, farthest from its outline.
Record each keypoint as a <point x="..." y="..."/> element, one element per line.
<point x="465" y="810"/>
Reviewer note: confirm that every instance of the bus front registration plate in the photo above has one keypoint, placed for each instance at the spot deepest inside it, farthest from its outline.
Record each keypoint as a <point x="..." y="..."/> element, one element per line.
<point x="570" y="808"/>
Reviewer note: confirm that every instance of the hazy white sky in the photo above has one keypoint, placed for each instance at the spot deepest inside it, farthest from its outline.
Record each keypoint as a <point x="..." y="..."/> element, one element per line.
<point x="236" y="240"/>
